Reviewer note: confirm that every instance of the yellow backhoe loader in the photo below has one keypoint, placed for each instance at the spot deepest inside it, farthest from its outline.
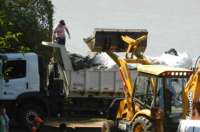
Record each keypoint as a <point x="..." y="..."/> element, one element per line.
<point x="158" y="98"/>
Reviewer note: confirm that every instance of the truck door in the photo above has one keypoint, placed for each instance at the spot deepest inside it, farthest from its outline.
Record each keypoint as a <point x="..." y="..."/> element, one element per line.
<point x="14" y="79"/>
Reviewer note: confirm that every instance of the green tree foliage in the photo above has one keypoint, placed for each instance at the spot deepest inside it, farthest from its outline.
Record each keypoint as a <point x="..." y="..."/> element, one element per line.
<point x="25" y="23"/>
<point x="7" y="38"/>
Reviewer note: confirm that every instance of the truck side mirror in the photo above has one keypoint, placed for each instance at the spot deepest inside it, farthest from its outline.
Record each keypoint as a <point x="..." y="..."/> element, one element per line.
<point x="6" y="73"/>
<point x="6" y="77"/>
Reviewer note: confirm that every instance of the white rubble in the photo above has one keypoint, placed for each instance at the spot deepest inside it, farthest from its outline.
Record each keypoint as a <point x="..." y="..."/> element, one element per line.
<point x="182" y="60"/>
<point x="107" y="62"/>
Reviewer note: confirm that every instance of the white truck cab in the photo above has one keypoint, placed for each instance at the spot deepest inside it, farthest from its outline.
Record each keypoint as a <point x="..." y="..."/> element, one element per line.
<point x="21" y="90"/>
<point x="19" y="75"/>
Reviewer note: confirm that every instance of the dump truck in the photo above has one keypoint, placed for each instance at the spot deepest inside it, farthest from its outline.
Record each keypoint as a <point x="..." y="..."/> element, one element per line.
<point x="159" y="97"/>
<point x="27" y="91"/>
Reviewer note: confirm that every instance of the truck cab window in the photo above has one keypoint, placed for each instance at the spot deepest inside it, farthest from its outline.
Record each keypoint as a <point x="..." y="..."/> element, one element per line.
<point x="14" y="69"/>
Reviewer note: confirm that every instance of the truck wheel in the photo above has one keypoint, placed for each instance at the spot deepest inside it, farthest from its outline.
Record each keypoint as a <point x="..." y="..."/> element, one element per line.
<point x="108" y="126"/>
<point x="28" y="113"/>
<point x="141" y="124"/>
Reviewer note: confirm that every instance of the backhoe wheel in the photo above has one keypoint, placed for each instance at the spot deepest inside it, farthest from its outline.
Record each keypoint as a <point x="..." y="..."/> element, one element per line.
<point x="108" y="126"/>
<point x="141" y="124"/>
<point x="28" y="113"/>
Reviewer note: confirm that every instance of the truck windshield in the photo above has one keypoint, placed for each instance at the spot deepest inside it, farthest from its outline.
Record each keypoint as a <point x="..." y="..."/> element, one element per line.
<point x="170" y="96"/>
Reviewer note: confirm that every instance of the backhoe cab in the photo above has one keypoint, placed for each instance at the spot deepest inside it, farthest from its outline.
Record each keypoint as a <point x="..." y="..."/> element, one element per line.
<point x="154" y="101"/>
<point x="158" y="97"/>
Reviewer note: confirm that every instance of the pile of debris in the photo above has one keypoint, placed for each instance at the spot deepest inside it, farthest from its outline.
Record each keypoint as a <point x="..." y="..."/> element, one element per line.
<point x="104" y="62"/>
<point x="173" y="58"/>
<point x="79" y="62"/>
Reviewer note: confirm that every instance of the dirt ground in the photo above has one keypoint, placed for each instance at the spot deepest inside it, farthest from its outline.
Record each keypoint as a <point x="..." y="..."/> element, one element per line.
<point x="68" y="130"/>
<point x="74" y="125"/>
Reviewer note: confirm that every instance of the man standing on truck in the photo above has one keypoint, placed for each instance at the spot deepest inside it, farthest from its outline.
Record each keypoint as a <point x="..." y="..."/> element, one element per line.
<point x="59" y="33"/>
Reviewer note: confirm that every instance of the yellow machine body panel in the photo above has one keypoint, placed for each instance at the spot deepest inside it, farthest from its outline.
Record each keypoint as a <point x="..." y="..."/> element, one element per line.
<point x="158" y="70"/>
<point x="145" y="112"/>
<point x="191" y="93"/>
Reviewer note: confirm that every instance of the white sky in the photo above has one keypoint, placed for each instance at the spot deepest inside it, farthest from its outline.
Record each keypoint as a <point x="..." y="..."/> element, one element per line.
<point x="171" y="23"/>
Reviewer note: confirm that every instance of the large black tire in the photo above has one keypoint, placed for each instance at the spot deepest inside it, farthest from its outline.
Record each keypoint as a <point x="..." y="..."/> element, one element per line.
<point x="141" y="124"/>
<point x="108" y="126"/>
<point x="28" y="113"/>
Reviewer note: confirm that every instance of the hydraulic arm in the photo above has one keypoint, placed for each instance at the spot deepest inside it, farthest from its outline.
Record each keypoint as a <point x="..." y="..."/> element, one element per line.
<point x="136" y="47"/>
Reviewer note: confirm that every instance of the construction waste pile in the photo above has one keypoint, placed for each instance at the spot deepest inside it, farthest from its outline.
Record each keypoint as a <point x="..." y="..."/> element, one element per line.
<point x="101" y="61"/>
<point x="173" y="58"/>
<point x="79" y="62"/>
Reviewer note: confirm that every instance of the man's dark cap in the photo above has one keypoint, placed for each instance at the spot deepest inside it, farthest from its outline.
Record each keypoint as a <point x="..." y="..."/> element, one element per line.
<point x="62" y="22"/>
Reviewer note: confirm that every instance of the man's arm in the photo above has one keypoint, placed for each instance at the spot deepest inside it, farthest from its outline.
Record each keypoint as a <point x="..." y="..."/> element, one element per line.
<point x="67" y="32"/>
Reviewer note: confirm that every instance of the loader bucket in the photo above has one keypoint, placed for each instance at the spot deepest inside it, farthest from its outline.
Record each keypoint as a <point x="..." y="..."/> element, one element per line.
<point x="104" y="40"/>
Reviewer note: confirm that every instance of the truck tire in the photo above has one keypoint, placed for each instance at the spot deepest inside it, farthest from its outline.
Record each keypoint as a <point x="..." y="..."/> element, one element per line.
<point x="108" y="126"/>
<point x="28" y="113"/>
<point x="141" y="124"/>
